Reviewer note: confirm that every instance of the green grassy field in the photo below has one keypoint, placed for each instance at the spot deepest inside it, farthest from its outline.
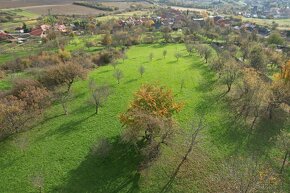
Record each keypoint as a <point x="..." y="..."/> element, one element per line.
<point x="20" y="17"/>
<point x="59" y="147"/>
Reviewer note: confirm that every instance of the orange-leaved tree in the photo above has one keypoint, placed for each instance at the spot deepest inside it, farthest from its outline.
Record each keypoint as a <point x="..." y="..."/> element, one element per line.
<point x="148" y="120"/>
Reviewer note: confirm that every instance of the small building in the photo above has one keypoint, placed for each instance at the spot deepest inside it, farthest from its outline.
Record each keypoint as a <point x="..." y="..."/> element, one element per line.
<point x="40" y="31"/>
<point x="37" y="32"/>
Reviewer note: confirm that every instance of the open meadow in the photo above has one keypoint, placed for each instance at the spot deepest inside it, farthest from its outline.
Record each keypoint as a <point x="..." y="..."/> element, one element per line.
<point x="59" y="148"/>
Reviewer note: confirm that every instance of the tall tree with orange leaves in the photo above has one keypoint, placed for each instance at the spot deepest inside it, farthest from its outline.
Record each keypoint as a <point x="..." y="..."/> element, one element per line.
<point x="149" y="121"/>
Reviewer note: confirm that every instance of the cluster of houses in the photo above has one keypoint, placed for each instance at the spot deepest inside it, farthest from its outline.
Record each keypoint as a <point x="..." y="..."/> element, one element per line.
<point x="266" y="9"/>
<point x="19" y="35"/>
<point x="168" y="17"/>
<point x="174" y="19"/>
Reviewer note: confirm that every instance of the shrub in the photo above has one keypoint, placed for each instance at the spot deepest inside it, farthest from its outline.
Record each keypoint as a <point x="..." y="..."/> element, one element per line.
<point x="17" y="111"/>
<point x="2" y="74"/>
<point x="106" y="57"/>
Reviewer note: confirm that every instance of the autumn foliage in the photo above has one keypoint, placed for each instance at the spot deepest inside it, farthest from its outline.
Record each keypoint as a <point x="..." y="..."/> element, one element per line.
<point x="63" y="74"/>
<point x="148" y="120"/>
<point x="21" y="106"/>
<point x="155" y="101"/>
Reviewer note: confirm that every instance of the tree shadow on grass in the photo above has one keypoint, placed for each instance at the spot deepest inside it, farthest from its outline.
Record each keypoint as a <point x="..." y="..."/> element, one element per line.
<point x="68" y="125"/>
<point x="131" y="81"/>
<point x="235" y="135"/>
<point x="117" y="172"/>
<point x="104" y="71"/>
<point x="172" y="62"/>
<point x="263" y="137"/>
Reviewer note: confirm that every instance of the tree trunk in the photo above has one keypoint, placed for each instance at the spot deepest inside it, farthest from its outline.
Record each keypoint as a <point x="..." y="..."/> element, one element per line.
<point x="284" y="161"/>
<point x="254" y="122"/>
<point x="229" y="88"/>
<point x="64" y="107"/>
<point x="97" y="109"/>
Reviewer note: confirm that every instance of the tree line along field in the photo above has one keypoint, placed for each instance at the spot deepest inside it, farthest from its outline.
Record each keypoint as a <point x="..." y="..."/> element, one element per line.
<point x="59" y="148"/>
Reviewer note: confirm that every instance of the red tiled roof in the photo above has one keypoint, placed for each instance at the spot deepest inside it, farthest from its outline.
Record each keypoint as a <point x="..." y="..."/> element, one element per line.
<point x="36" y="32"/>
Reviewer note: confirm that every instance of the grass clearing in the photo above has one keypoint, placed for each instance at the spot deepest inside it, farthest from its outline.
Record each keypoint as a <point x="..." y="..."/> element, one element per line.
<point x="59" y="147"/>
<point x="20" y="16"/>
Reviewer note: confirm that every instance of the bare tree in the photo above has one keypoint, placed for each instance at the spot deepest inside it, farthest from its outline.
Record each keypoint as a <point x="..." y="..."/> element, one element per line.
<point x="114" y="64"/>
<point x="151" y="56"/>
<point x="164" y="53"/>
<point x="182" y="83"/>
<point x="99" y="94"/>
<point x="141" y="70"/>
<point x="118" y="74"/>
<point x="177" y="55"/>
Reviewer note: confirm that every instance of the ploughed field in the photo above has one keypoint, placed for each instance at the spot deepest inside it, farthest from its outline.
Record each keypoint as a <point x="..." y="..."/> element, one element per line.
<point x="25" y="3"/>
<point x="64" y="7"/>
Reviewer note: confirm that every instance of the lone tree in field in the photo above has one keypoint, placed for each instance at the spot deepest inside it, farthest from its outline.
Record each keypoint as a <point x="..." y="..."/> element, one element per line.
<point x="114" y="64"/>
<point x="118" y="74"/>
<point x="177" y="56"/>
<point x="151" y="56"/>
<point x="149" y="121"/>
<point x="141" y="70"/>
<point x="63" y="75"/>
<point x="99" y="94"/>
<point x="182" y="84"/>
<point x="164" y="53"/>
